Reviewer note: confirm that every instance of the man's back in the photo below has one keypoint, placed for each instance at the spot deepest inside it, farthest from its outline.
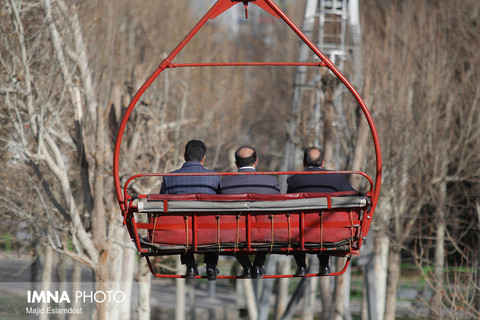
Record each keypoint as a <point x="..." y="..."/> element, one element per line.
<point x="249" y="184"/>
<point x="318" y="182"/>
<point x="190" y="184"/>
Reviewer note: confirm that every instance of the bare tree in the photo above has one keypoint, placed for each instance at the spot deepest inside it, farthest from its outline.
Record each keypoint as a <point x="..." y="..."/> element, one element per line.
<point x="420" y="134"/>
<point x="64" y="133"/>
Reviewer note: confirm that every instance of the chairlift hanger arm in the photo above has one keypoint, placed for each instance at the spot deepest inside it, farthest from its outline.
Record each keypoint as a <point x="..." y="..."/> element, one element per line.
<point x="218" y="8"/>
<point x="358" y="230"/>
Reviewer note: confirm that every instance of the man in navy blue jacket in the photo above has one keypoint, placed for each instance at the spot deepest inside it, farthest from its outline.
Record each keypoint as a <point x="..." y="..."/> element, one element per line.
<point x="195" y="154"/>
<point x="313" y="161"/>
<point x="246" y="161"/>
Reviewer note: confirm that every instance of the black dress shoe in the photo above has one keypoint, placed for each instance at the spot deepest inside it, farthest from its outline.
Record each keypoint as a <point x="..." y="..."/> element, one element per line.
<point x="324" y="270"/>
<point x="301" y="271"/>
<point x="247" y="273"/>
<point x="258" y="272"/>
<point x="192" y="272"/>
<point x="212" y="273"/>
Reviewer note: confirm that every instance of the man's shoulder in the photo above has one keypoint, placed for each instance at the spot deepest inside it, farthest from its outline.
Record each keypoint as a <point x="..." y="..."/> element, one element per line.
<point x="230" y="179"/>
<point x="271" y="178"/>
<point x="257" y="177"/>
<point x="193" y="166"/>
<point x="294" y="177"/>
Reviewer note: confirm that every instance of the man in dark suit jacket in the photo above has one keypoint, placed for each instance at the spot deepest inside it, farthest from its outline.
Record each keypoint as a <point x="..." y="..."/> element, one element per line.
<point x="246" y="161"/>
<point x="313" y="161"/>
<point x="195" y="154"/>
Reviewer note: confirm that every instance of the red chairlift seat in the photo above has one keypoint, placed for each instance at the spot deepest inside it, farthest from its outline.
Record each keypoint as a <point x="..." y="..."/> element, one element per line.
<point x="232" y="224"/>
<point x="333" y="223"/>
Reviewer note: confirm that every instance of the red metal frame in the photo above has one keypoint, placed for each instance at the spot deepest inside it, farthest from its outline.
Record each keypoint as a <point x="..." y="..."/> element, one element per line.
<point x="125" y="201"/>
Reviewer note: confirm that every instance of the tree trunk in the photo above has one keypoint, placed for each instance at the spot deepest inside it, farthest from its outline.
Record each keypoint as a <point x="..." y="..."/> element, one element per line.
<point x="61" y="279"/>
<point x="442" y="161"/>
<point x="126" y="282"/>
<point x="338" y="311"/>
<point x="144" y="288"/>
<point x="296" y="299"/>
<point x="381" y="264"/>
<point x="240" y="302"/>
<point x="76" y="280"/>
<point x="311" y="297"/>
<point x="328" y="82"/>
<point x="46" y="278"/>
<point x="264" y="303"/>
<point x="477" y="287"/>
<point x="283" y="283"/>
<point x="52" y="155"/>
<point x="179" y="293"/>
<point x="392" y="284"/>
<point x="292" y="140"/>
<point x="122" y="258"/>
<point x="346" y="293"/>
<point x="36" y="269"/>
<point x="326" y="296"/>
<point x="439" y="263"/>
<point x="250" y="299"/>
<point x="105" y="271"/>
<point x="359" y="157"/>
<point x="367" y="261"/>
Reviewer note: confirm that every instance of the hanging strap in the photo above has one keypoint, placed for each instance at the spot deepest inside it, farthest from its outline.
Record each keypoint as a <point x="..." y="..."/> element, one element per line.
<point x="218" y="233"/>
<point x="237" y="236"/>
<point x="289" y="234"/>
<point x="185" y="218"/>
<point x="351" y="229"/>
<point x="321" y="214"/>
<point x="153" y="230"/>
<point x="153" y="234"/>
<point x="272" y="235"/>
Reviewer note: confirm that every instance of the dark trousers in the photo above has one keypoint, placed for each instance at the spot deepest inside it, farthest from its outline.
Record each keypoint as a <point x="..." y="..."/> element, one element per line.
<point x="188" y="259"/>
<point x="244" y="260"/>
<point x="300" y="259"/>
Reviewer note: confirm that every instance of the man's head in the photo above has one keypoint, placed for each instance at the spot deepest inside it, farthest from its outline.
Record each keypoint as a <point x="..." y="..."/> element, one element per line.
<point x="313" y="157"/>
<point x="195" y="150"/>
<point x="246" y="156"/>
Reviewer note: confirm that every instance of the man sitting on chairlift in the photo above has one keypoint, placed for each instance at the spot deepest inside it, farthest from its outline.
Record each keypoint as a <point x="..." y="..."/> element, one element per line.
<point x="313" y="161"/>
<point x="246" y="161"/>
<point x="195" y="154"/>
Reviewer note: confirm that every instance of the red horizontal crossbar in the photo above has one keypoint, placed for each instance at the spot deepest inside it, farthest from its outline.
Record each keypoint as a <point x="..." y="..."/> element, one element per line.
<point x="246" y="64"/>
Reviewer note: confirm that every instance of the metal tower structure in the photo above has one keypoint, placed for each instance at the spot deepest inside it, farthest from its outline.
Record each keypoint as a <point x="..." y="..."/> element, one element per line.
<point x="334" y="26"/>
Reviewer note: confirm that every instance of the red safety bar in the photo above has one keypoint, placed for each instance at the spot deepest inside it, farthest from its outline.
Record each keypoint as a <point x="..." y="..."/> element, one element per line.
<point x="126" y="202"/>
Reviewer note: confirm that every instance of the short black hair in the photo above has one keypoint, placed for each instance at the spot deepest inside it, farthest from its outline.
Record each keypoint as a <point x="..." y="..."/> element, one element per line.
<point x="248" y="161"/>
<point x="195" y="150"/>
<point x="308" y="161"/>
